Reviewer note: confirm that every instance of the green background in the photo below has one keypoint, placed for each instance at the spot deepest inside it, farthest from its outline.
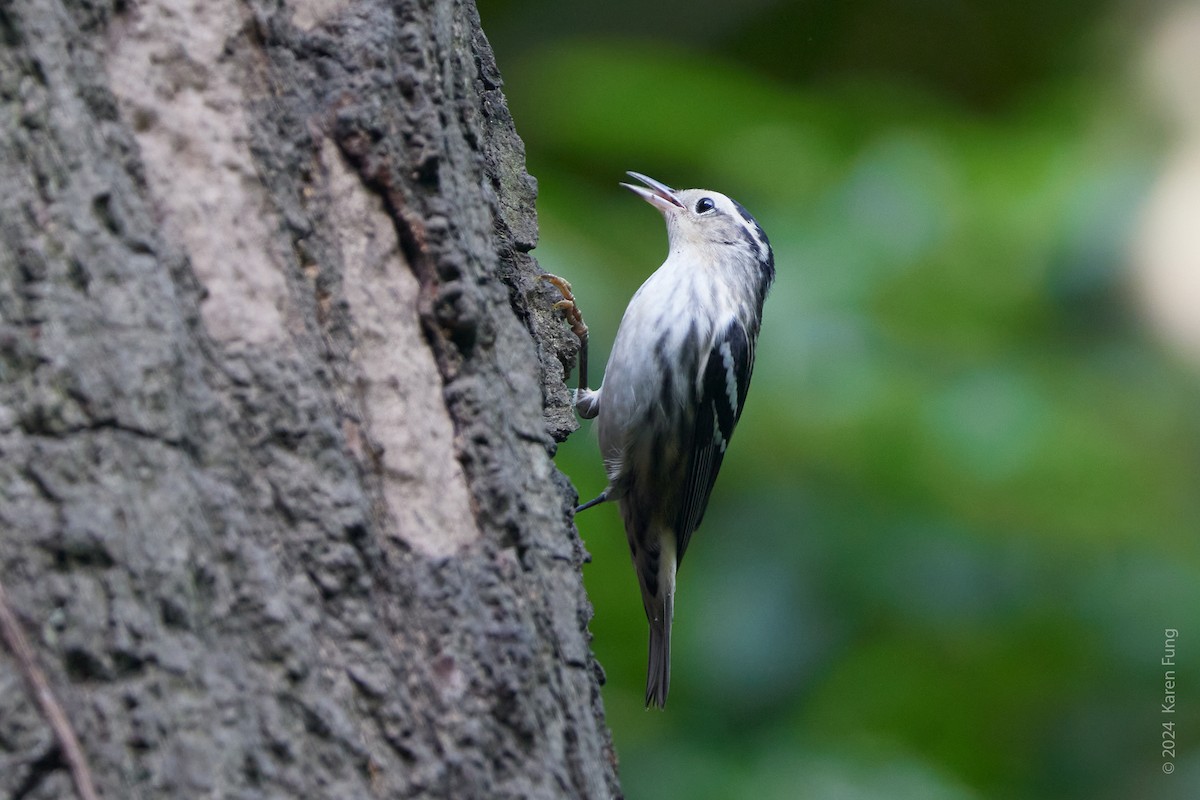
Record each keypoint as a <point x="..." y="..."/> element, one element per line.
<point x="961" y="507"/>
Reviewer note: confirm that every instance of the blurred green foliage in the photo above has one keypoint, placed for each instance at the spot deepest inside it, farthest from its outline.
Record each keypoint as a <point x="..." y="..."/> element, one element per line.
<point x="961" y="507"/>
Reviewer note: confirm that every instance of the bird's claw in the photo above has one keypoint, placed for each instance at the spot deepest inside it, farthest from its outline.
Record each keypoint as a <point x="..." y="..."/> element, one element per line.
<point x="575" y="320"/>
<point x="567" y="305"/>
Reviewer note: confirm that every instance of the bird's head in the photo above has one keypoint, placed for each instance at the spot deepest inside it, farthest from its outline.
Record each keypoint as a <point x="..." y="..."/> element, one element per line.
<point x="706" y="221"/>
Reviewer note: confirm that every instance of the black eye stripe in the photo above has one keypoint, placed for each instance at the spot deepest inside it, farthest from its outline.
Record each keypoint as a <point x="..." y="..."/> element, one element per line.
<point x="745" y="214"/>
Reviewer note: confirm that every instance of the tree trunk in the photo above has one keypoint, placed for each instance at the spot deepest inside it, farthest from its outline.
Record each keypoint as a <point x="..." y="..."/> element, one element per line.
<point x="279" y="391"/>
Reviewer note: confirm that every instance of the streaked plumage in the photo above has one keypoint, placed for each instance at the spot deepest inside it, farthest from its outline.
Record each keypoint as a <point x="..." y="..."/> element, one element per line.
<point x="675" y="386"/>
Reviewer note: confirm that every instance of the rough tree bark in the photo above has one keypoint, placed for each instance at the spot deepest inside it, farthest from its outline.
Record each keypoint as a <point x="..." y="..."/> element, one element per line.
<point x="279" y="391"/>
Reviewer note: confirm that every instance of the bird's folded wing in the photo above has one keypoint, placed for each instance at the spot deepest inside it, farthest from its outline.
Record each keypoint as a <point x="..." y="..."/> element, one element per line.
<point x="722" y="394"/>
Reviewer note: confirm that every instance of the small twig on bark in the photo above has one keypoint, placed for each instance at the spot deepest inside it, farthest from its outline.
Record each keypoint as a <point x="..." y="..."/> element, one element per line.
<point x="51" y="709"/>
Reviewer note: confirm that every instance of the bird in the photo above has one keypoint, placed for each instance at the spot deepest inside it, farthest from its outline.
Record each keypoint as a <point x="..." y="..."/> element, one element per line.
<point x="674" y="387"/>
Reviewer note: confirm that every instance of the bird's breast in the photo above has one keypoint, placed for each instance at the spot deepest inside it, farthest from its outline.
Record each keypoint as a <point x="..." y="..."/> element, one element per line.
<point x="659" y="353"/>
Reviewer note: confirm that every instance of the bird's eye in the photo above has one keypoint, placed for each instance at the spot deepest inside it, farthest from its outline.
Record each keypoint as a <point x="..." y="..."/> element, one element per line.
<point x="704" y="205"/>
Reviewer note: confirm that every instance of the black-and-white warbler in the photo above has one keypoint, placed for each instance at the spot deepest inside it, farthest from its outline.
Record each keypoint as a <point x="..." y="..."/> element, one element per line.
<point x="674" y="387"/>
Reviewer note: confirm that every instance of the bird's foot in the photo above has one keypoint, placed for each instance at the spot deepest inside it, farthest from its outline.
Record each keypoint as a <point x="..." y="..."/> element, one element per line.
<point x="568" y="305"/>
<point x="585" y="401"/>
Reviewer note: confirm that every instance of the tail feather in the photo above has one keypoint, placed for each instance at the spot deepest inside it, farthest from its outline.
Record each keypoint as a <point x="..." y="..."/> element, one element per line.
<point x="653" y="548"/>
<point x="658" y="673"/>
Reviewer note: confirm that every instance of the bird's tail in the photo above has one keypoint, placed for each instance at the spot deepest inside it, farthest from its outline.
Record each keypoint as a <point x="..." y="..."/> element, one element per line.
<point x="658" y="673"/>
<point x="653" y="548"/>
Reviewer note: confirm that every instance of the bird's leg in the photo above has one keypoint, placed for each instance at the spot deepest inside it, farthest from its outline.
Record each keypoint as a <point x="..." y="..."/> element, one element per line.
<point x="587" y="402"/>
<point x="574" y="318"/>
<point x="595" y="501"/>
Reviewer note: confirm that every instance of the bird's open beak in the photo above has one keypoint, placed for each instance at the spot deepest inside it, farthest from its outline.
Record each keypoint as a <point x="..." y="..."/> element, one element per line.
<point x="658" y="195"/>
